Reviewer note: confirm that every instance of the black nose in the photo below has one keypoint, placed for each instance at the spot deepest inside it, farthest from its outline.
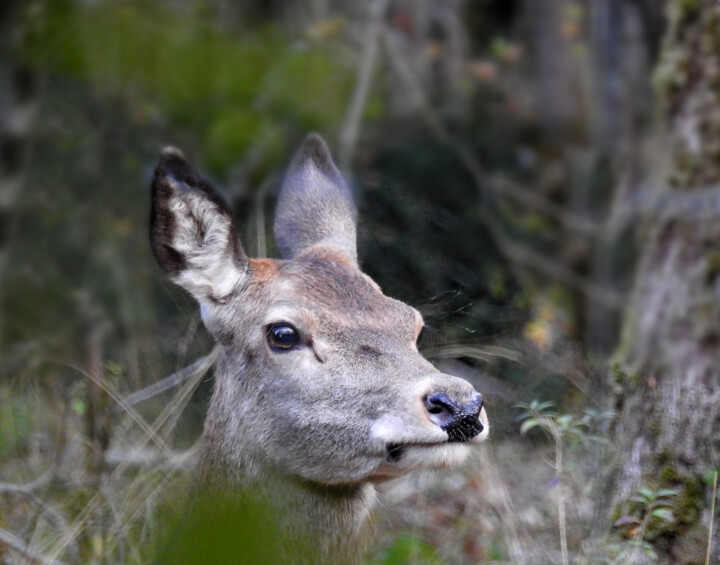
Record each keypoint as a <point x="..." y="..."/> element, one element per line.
<point x="461" y="422"/>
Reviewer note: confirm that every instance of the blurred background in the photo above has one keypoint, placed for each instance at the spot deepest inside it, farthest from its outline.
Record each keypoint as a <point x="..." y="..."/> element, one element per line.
<point x="538" y="178"/>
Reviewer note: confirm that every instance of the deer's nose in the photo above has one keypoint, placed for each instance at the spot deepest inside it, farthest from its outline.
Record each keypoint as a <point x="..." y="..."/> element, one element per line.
<point x="460" y="421"/>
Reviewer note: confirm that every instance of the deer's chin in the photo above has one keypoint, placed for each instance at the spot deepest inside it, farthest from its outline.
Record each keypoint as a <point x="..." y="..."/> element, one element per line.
<point x="403" y="459"/>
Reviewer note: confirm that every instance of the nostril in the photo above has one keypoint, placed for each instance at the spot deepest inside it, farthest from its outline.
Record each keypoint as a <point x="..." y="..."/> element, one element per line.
<point x="460" y="420"/>
<point x="440" y="403"/>
<point x="441" y="408"/>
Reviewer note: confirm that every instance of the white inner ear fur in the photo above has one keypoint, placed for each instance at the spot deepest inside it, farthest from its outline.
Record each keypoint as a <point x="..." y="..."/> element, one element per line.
<point x="201" y="235"/>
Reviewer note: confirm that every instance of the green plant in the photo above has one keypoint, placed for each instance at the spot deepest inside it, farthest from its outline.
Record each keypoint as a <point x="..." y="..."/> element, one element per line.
<point x="652" y="505"/>
<point x="561" y="428"/>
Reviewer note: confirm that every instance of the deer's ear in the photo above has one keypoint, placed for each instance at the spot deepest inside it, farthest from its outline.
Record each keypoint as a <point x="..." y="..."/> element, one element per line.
<point x="192" y="232"/>
<point x="315" y="205"/>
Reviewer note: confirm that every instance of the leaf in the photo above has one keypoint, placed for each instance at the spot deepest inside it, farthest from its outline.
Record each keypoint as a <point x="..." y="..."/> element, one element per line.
<point x="647" y="494"/>
<point x="78" y="407"/>
<point x="564" y="420"/>
<point x="666" y="492"/>
<point x="665" y="514"/>
<point x="542" y="406"/>
<point x="648" y="549"/>
<point x="625" y="520"/>
<point x="520" y="417"/>
<point x="527" y="425"/>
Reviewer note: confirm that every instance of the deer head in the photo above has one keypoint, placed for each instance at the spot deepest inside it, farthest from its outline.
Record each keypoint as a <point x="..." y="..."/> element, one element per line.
<point x="319" y="380"/>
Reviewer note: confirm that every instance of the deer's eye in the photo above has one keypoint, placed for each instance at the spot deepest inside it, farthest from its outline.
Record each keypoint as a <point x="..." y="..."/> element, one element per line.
<point x="282" y="336"/>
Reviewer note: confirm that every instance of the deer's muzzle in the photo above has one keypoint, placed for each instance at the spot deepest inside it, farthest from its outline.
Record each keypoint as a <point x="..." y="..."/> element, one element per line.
<point x="460" y="421"/>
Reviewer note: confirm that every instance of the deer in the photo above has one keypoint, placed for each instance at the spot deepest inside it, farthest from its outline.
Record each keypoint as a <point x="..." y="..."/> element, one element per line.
<point x="320" y="391"/>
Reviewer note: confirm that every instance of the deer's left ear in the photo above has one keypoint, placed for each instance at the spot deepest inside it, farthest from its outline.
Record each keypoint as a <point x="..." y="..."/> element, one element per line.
<point x="315" y="205"/>
<point x="192" y="232"/>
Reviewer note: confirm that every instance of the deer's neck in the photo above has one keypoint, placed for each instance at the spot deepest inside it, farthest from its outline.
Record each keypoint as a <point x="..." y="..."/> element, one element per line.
<point x="316" y="524"/>
<point x="327" y="519"/>
<point x="332" y="519"/>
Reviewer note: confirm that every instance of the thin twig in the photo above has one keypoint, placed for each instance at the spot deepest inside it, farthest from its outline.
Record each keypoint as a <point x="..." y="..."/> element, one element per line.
<point x="193" y="377"/>
<point x="518" y="256"/>
<point x="560" y="272"/>
<point x="507" y="187"/>
<point x="17" y="544"/>
<point x="712" y="517"/>
<point x="351" y="124"/>
<point x="29" y="487"/>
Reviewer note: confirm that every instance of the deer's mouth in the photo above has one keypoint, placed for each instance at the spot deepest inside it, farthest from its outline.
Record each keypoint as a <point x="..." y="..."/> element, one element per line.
<point x="399" y="452"/>
<point x="394" y="452"/>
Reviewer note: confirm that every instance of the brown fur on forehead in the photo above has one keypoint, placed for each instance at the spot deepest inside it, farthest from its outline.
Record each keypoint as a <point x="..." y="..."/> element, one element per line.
<point x="263" y="270"/>
<point x="334" y="284"/>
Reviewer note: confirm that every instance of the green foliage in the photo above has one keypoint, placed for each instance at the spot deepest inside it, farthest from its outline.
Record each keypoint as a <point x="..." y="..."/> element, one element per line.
<point x="230" y="90"/>
<point x="651" y="508"/>
<point x="407" y="549"/>
<point x="15" y="420"/>
<point x="562" y="426"/>
<point x="220" y="528"/>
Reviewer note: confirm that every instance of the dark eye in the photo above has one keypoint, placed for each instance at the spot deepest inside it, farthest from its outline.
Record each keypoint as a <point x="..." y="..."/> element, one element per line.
<point x="282" y="336"/>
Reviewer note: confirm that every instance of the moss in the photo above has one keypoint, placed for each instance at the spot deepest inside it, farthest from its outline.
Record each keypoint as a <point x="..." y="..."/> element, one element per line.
<point x="712" y="265"/>
<point x="664" y="457"/>
<point x="620" y="378"/>
<point x="669" y="475"/>
<point x="686" y="507"/>
<point x="689" y="503"/>
<point x="654" y="428"/>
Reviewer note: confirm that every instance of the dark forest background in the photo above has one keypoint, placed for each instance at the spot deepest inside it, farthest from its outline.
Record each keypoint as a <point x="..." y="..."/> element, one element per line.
<point x="539" y="178"/>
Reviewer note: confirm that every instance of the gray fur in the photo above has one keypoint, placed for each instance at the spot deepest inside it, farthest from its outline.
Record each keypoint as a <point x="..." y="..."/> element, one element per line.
<point x="311" y="428"/>
<point x="315" y="205"/>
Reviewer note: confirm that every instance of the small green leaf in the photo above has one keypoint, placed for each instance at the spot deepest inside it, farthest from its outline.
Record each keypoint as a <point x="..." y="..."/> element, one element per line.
<point x="647" y="494"/>
<point x="564" y="420"/>
<point x="78" y="407"/>
<point x="665" y="514"/>
<point x="626" y="520"/>
<point x="527" y="425"/>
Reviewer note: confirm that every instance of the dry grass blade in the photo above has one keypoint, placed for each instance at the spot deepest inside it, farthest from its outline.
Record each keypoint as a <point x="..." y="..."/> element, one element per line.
<point x="30" y="486"/>
<point x="176" y="379"/>
<point x="128" y="409"/>
<point x="712" y="517"/>
<point x="17" y="544"/>
<point x="487" y="353"/>
<point x="125" y="508"/>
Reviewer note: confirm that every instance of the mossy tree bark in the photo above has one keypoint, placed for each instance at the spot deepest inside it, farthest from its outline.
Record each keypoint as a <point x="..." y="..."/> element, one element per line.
<point x="667" y="432"/>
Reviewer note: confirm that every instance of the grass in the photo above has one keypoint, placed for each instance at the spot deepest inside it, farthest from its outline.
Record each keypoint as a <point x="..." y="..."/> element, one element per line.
<point x="521" y="500"/>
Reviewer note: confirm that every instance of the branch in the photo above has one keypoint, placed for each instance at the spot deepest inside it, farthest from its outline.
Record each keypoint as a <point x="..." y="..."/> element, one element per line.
<point x="526" y="256"/>
<point x="689" y="205"/>
<point x="29" y="487"/>
<point x="507" y="187"/>
<point x="517" y="255"/>
<point x="351" y="125"/>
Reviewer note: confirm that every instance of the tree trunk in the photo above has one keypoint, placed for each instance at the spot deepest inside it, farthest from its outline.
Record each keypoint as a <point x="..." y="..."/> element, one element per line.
<point x="666" y="435"/>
